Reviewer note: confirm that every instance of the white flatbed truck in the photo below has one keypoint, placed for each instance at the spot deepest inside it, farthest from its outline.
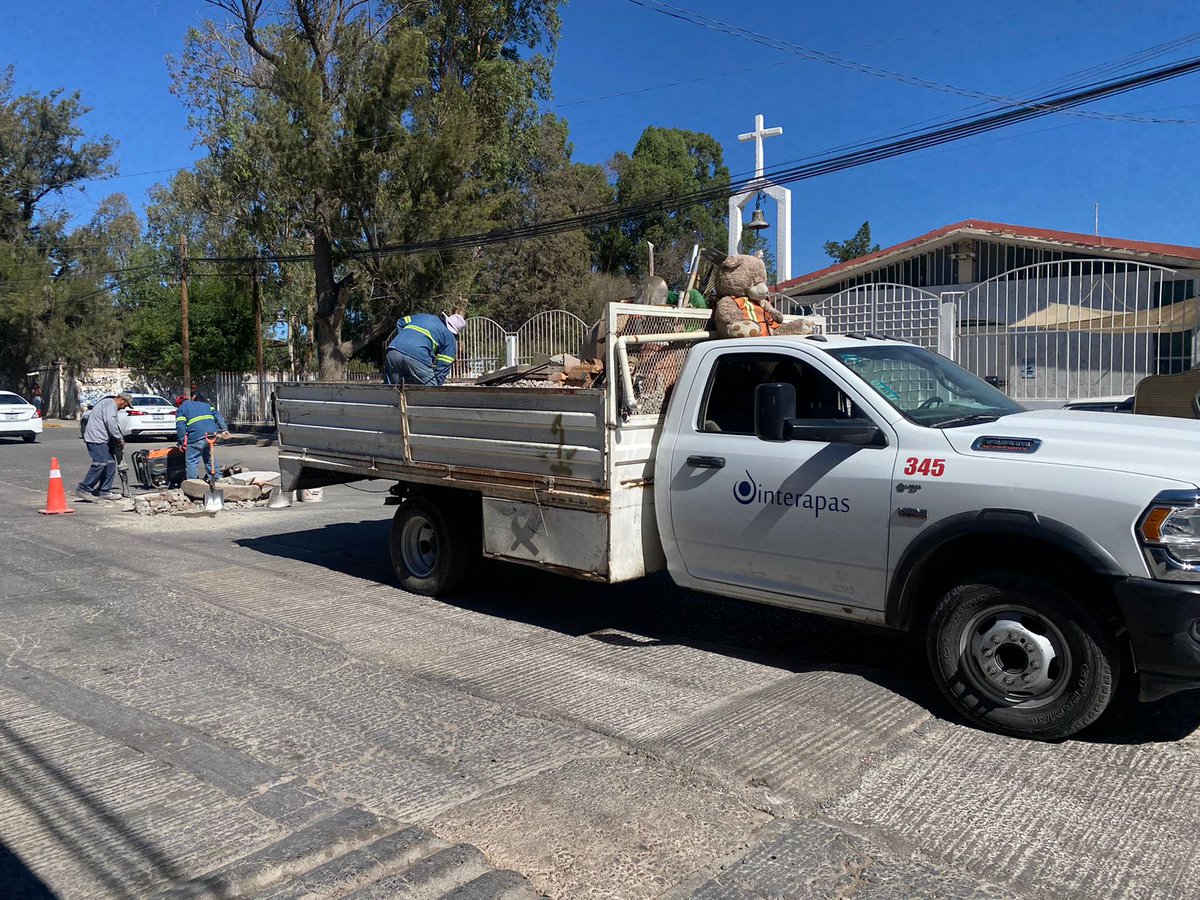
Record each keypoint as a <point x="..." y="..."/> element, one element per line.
<point x="1042" y="556"/>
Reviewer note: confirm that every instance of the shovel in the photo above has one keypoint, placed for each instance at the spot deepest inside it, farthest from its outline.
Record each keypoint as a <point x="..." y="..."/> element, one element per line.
<point x="214" y="497"/>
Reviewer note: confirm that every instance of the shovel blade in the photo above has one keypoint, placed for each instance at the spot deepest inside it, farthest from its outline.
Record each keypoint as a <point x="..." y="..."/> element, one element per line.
<point x="214" y="499"/>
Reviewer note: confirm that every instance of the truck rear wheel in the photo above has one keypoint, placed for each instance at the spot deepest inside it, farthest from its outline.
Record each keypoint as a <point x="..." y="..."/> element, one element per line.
<point x="434" y="545"/>
<point x="1022" y="657"/>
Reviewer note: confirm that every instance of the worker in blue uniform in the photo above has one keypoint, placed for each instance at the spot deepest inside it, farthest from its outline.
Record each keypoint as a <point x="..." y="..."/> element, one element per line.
<point x="195" y="421"/>
<point x="423" y="350"/>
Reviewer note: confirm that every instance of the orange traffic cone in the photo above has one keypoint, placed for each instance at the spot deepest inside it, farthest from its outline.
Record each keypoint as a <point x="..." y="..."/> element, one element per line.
<point x="56" y="497"/>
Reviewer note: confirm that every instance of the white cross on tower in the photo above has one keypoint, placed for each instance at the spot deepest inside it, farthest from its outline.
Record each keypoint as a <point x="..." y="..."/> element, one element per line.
<point x="757" y="136"/>
<point x="760" y="185"/>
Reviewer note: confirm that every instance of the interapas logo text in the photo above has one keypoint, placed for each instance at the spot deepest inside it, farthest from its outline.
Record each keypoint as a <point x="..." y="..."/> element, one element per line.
<point x="748" y="491"/>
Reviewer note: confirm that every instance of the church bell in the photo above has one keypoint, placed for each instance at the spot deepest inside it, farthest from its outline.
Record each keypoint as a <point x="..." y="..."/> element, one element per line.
<point x="758" y="221"/>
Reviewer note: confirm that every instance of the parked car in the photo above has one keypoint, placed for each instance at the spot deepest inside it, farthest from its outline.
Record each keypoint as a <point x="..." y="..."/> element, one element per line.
<point x="19" y="417"/>
<point x="1122" y="403"/>
<point x="150" y="416"/>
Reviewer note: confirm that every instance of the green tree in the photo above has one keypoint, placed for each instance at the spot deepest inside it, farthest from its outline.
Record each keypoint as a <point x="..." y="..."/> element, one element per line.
<point x="352" y="126"/>
<point x="519" y="279"/>
<point x="52" y="286"/>
<point x="665" y="162"/>
<point x="859" y="245"/>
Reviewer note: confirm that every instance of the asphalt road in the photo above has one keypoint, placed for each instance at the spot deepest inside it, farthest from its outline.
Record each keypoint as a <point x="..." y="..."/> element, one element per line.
<point x="246" y="703"/>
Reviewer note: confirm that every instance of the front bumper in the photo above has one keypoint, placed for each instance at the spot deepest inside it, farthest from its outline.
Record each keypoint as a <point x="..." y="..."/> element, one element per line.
<point x="21" y="426"/>
<point x="1163" y="620"/>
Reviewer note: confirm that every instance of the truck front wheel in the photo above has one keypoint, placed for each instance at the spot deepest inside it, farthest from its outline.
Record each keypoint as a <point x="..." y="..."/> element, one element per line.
<point x="434" y="545"/>
<point x="1022" y="657"/>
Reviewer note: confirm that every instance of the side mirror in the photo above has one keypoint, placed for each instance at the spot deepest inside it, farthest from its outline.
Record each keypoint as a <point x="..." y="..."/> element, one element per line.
<point x="834" y="431"/>
<point x="775" y="420"/>
<point x="774" y="406"/>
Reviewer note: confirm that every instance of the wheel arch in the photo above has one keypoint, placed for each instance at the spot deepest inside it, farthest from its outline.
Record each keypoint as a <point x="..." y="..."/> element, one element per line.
<point x="969" y="541"/>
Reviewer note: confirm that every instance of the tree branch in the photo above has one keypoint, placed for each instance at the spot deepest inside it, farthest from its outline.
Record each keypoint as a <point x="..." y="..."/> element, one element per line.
<point x="246" y="13"/>
<point x="380" y="328"/>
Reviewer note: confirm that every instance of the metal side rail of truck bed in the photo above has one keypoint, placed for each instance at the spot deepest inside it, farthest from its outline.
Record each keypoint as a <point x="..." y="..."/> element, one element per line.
<point x="508" y="439"/>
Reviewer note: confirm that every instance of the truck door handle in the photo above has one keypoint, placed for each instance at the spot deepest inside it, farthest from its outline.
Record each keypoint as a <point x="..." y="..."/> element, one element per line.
<point x="706" y="462"/>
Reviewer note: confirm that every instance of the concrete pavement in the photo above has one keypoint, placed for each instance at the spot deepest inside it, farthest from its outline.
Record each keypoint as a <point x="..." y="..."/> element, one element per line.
<point x="247" y="703"/>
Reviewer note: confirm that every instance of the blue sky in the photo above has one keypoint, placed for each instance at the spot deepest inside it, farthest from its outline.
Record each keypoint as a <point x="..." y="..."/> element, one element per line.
<point x="616" y="60"/>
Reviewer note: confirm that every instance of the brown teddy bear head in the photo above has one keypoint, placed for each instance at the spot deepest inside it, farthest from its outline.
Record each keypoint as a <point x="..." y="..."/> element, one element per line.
<point x="740" y="275"/>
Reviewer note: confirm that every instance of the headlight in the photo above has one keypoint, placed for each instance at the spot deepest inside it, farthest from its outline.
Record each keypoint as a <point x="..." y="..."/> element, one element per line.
<point x="1177" y="529"/>
<point x="1170" y="536"/>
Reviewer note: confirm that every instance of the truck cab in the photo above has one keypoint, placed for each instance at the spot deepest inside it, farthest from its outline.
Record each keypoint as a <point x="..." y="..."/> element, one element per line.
<point x="1037" y="553"/>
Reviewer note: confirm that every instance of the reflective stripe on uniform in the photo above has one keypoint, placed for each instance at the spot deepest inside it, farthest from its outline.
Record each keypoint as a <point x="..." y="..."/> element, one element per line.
<point x="199" y="419"/>
<point x="755" y="314"/>
<point x="427" y="334"/>
<point x="442" y="357"/>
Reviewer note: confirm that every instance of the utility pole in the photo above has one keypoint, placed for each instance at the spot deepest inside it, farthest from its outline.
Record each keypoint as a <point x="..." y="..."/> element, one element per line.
<point x="1097" y="218"/>
<point x="183" y="312"/>
<point x="258" y="345"/>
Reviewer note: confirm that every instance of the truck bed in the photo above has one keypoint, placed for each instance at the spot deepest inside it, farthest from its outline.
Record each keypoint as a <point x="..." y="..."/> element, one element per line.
<point x="565" y="475"/>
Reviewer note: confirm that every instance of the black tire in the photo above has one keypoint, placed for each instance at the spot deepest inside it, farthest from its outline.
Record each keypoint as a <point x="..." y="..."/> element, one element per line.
<point x="29" y="438"/>
<point x="435" y="544"/>
<point x="1022" y="657"/>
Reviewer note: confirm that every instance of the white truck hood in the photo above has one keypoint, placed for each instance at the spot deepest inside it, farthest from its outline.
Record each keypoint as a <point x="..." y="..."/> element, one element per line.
<point x="1144" y="445"/>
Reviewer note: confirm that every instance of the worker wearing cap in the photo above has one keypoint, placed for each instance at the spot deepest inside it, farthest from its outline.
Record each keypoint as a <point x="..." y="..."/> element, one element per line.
<point x="195" y="421"/>
<point x="423" y="350"/>
<point x="103" y="438"/>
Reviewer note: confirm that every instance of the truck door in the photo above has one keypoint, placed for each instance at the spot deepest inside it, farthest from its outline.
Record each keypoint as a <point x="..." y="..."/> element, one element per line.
<point x="799" y="518"/>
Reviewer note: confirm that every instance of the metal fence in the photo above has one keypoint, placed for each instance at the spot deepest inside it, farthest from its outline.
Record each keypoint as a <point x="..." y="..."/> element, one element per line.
<point x="484" y="346"/>
<point x="1049" y="332"/>
<point x="481" y="348"/>
<point x="549" y="334"/>
<point x="1077" y="328"/>
<point x="895" y="310"/>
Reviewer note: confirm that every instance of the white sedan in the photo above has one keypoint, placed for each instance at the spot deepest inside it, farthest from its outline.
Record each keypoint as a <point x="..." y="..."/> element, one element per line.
<point x="150" y="415"/>
<point x="19" y="418"/>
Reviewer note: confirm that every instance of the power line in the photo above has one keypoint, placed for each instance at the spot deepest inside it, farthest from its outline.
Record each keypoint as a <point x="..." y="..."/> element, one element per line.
<point x="822" y="56"/>
<point x="855" y="155"/>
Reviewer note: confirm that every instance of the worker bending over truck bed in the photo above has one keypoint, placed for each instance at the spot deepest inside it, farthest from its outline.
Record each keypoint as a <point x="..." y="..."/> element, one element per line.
<point x="423" y="349"/>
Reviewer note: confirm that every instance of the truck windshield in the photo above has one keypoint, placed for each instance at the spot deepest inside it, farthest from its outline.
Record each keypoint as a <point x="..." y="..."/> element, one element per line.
<point x="928" y="389"/>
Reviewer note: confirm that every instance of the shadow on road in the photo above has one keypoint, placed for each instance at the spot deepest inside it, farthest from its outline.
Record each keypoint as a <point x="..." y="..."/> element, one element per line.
<point x="655" y="611"/>
<point x="122" y="861"/>
<point x="17" y="881"/>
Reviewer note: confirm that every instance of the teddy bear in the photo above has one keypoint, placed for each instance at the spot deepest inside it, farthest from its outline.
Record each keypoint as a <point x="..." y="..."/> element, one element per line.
<point x="743" y="308"/>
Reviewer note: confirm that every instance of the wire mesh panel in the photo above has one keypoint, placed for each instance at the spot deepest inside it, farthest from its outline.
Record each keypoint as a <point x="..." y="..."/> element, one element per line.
<point x="480" y="348"/>
<point x="656" y="367"/>
<point x="549" y="334"/>
<point x="895" y="310"/>
<point x="1076" y="329"/>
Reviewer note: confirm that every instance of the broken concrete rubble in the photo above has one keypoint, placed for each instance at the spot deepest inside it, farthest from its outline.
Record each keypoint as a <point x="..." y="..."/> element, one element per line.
<point x="195" y="488"/>
<point x="189" y="497"/>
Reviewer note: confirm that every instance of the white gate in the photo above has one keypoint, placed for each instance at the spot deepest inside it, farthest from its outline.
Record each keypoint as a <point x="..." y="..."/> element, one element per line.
<point x="1077" y="328"/>
<point x="480" y="348"/>
<point x="894" y="310"/>
<point x="549" y="334"/>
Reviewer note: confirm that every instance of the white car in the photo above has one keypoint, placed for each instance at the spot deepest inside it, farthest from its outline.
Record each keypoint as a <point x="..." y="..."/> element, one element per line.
<point x="19" y="418"/>
<point x="150" y="416"/>
<point x="1121" y="403"/>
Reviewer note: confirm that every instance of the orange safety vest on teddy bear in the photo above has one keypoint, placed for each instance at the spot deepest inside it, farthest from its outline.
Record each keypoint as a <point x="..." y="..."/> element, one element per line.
<point x="756" y="314"/>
